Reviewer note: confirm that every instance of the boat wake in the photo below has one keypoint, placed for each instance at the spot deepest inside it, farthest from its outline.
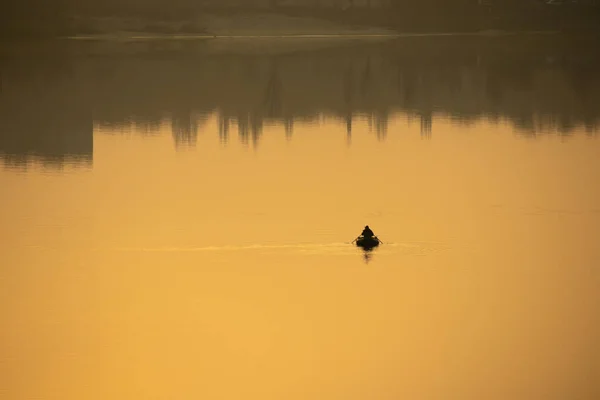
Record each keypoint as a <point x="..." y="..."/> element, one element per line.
<point x="307" y="248"/>
<point x="236" y="247"/>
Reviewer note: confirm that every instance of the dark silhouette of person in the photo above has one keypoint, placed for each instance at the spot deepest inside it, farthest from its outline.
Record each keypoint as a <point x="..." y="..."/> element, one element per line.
<point x="367" y="232"/>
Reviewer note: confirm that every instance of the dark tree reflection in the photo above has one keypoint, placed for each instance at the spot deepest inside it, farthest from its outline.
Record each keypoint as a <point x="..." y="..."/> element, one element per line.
<point x="540" y="84"/>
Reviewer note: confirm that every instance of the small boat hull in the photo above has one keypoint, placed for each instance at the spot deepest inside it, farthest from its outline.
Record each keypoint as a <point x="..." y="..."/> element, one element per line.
<point x="367" y="242"/>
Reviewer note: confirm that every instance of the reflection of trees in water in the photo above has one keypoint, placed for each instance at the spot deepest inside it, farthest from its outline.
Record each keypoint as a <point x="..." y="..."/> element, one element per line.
<point x="381" y="124"/>
<point x="251" y="120"/>
<point x="379" y="120"/>
<point x="289" y="127"/>
<point x="184" y="128"/>
<point x="407" y="84"/>
<point x="476" y="87"/>
<point x="144" y="125"/>
<point x="23" y="162"/>
<point x="366" y="79"/>
<point x="505" y="77"/>
<point x="43" y="119"/>
<point x="250" y="128"/>
<point x="554" y="90"/>
<point x="426" y="123"/>
<point x="223" y="121"/>
<point x="532" y="126"/>
<point x="273" y="100"/>
<point x="348" y="94"/>
<point x="585" y="80"/>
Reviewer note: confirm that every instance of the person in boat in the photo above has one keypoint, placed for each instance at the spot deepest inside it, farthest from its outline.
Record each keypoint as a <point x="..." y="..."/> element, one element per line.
<point x="367" y="232"/>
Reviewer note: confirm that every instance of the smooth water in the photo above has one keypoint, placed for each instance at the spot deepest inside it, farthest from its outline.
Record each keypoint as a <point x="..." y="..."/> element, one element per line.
<point x="176" y="220"/>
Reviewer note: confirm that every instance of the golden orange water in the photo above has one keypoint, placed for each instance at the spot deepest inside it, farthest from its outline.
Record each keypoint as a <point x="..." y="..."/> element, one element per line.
<point x="225" y="270"/>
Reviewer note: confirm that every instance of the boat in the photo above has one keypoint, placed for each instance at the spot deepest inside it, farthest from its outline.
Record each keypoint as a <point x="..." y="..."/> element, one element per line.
<point x="367" y="242"/>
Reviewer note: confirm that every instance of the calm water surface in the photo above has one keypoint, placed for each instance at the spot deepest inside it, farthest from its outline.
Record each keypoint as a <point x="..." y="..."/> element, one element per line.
<point x="175" y="223"/>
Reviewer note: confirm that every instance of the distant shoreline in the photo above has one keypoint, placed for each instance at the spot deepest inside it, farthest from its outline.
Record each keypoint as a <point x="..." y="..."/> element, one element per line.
<point x="302" y="23"/>
<point x="214" y="25"/>
<point x="153" y="36"/>
<point x="255" y="25"/>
